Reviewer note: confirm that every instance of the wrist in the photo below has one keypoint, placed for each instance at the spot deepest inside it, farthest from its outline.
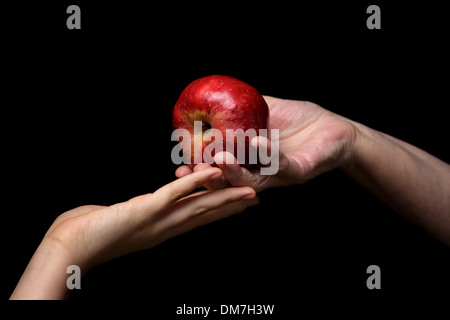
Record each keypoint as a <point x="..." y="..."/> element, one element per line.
<point x="359" y="140"/>
<point x="352" y="148"/>
<point x="366" y="153"/>
<point x="66" y="238"/>
<point x="62" y="251"/>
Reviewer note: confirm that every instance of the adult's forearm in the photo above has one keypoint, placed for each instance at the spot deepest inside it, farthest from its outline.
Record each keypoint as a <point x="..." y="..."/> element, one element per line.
<point x="408" y="179"/>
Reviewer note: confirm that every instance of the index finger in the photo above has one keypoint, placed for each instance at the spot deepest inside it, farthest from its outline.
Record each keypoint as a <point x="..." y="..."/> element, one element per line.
<point x="183" y="171"/>
<point x="179" y="188"/>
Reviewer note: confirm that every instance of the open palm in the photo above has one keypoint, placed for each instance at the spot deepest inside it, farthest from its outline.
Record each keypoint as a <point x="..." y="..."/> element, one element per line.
<point x="312" y="140"/>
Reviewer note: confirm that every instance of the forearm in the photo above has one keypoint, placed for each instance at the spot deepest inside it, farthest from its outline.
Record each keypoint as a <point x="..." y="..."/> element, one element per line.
<point x="411" y="181"/>
<point x="45" y="276"/>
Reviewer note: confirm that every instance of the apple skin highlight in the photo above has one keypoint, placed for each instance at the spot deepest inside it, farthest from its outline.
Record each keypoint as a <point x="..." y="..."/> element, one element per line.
<point x="220" y="102"/>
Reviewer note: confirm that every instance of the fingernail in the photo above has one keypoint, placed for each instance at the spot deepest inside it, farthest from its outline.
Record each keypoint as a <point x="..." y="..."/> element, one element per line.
<point x="216" y="175"/>
<point x="248" y="196"/>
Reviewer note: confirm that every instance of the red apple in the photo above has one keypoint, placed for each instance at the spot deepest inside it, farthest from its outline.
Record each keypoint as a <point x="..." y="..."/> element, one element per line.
<point x="220" y="102"/>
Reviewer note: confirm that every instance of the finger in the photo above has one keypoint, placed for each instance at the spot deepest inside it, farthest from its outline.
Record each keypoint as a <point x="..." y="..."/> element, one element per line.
<point x="209" y="217"/>
<point x="183" y="171"/>
<point x="177" y="189"/>
<point x="188" y="208"/>
<point x="214" y="184"/>
<point x="221" y="213"/>
<point x="202" y="166"/>
<point x="233" y="172"/>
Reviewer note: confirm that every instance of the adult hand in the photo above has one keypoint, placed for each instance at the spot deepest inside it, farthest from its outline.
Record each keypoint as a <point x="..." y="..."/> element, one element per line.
<point x="312" y="140"/>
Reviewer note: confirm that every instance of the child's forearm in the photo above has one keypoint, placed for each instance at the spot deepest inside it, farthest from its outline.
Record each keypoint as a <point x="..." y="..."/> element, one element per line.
<point x="46" y="274"/>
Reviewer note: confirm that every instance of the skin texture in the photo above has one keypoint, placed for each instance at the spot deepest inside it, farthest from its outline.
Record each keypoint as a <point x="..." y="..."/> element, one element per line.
<point x="89" y="235"/>
<point x="314" y="140"/>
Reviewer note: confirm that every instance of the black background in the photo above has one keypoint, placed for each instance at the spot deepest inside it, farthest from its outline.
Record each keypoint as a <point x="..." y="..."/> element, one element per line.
<point x="87" y="120"/>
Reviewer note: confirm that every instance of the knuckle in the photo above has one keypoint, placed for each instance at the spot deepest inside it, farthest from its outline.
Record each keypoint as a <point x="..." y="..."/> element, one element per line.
<point x="200" y="210"/>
